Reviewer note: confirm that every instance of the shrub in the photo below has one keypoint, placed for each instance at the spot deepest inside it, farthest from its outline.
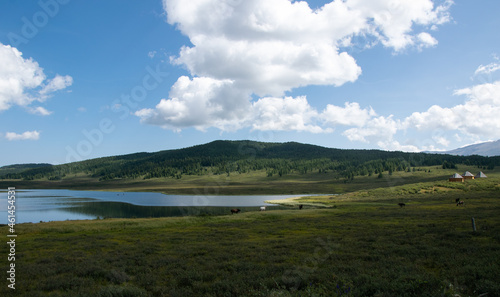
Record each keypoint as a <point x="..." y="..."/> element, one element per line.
<point x="121" y="291"/>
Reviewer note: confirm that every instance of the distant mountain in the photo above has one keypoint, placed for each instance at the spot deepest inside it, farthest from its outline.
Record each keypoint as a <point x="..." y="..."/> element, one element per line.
<point x="488" y="149"/>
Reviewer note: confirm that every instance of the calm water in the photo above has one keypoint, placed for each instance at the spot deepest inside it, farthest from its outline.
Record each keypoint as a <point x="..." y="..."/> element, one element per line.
<point x="60" y="205"/>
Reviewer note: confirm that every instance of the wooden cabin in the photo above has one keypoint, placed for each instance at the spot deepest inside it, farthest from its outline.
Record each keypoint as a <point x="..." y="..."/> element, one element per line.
<point x="456" y="178"/>
<point x="468" y="175"/>
<point x="481" y="175"/>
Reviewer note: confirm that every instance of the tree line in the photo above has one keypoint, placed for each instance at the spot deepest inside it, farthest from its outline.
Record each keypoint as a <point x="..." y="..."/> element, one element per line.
<point x="230" y="157"/>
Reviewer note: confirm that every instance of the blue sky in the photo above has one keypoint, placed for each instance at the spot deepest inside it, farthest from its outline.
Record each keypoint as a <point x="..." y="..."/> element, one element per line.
<point x="86" y="79"/>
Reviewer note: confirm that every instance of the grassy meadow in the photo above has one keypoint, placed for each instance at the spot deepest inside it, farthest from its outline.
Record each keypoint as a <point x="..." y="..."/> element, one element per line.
<point x="359" y="243"/>
<point x="253" y="182"/>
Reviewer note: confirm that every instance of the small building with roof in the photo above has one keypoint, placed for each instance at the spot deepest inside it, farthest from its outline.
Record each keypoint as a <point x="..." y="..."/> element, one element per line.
<point x="468" y="175"/>
<point x="456" y="178"/>
<point x="481" y="175"/>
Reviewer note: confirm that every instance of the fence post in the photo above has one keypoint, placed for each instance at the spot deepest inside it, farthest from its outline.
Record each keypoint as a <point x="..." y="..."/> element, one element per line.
<point x="473" y="225"/>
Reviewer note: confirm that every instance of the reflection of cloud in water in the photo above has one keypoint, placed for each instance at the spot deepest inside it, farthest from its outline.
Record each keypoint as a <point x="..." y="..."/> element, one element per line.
<point x="60" y="205"/>
<point x="59" y="214"/>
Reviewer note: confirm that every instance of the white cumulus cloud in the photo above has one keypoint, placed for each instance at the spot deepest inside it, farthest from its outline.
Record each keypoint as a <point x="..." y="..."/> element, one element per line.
<point x="392" y="22"/>
<point x="28" y="135"/>
<point x="22" y="81"/>
<point x="273" y="46"/>
<point x="477" y="116"/>
<point x="200" y="102"/>
<point x="426" y="40"/>
<point x="57" y="83"/>
<point x="285" y="114"/>
<point x="349" y="115"/>
<point x="269" y="47"/>
<point x="376" y="130"/>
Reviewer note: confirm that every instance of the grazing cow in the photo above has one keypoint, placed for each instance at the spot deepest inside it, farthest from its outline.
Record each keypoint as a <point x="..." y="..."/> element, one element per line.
<point x="235" y="210"/>
<point x="262" y="208"/>
<point x="457" y="200"/>
<point x="460" y="203"/>
<point x="401" y="204"/>
<point x="300" y="206"/>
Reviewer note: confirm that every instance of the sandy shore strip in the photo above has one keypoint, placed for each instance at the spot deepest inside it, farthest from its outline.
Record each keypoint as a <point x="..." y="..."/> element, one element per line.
<point x="287" y="201"/>
<point x="296" y="201"/>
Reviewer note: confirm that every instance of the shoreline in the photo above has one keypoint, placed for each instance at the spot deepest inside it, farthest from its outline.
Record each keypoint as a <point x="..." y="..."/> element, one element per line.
<point x="287" y="201"/>
<point x="295" y="201"/>
<point x="128" y="205"/>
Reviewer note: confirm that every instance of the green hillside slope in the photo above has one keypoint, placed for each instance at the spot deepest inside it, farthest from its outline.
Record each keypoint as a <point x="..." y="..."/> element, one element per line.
<point x="247" y="162"/>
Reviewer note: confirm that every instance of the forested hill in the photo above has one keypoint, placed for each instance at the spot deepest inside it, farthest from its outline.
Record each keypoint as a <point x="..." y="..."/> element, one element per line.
<point x="226" y="157"/>
<point x="20" y="167"/>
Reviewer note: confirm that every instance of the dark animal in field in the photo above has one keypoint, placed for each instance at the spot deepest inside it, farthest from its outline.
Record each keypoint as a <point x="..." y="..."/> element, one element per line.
<point x="460" y="203"/>
<point x="235" y="210"/>
<point x="401" y="204"/>
<point x="300" y="206"/>
<point x="457" y="200"/>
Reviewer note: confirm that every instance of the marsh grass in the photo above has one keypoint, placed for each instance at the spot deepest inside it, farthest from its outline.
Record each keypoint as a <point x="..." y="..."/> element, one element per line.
<point x="362" y="244"/>
<point x="365" y="246"/>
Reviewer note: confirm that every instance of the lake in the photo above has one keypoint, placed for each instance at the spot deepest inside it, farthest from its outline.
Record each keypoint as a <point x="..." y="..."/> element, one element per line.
<point x="59" y="205"/>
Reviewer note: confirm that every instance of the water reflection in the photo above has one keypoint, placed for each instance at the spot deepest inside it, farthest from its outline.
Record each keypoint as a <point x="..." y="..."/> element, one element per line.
<point x="59" y="205"/>
<point x="126" y="210"/>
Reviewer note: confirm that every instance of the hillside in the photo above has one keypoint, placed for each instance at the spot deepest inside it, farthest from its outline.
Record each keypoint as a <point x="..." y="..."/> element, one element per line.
<point x="491" y="148"/>
<point x="225" y="157"/>
<point x="16" y="168"/>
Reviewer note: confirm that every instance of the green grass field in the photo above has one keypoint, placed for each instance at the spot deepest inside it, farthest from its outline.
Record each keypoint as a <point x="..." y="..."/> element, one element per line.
<point x="255" y="182"/>
<point x="362" y="244"/>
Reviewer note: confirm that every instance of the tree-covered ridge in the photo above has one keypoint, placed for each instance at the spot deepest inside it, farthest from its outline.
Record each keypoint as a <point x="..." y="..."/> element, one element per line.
<point x="16" y="168"/>
<point x="227" y="157"/>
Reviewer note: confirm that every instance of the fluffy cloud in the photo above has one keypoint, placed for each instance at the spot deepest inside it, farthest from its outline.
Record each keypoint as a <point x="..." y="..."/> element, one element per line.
<point x="28" y="135"/>
<point x="245" y="55"/>
<point x="285" y="114"/>
<point x="476" y="118"/>
<point x="57" y="83"/>
<point x="269" y="47"/>
<point x="203" y="103"/>
<point x="269" y="67"/>
<point x="426" y="40"/>
<point x="349" y="115"/>
<point x="377" y="130"/>
<point x="478" y="115"/>
<point x="16" y="76"/>
<point x="23" y="82"/>
<point x="392" y="22"/>
<point x="200" y="102"/>
<point x="202" y="107"/>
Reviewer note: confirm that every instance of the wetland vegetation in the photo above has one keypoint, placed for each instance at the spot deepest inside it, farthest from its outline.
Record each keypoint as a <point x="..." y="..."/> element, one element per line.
<point x="364" y="244"/>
